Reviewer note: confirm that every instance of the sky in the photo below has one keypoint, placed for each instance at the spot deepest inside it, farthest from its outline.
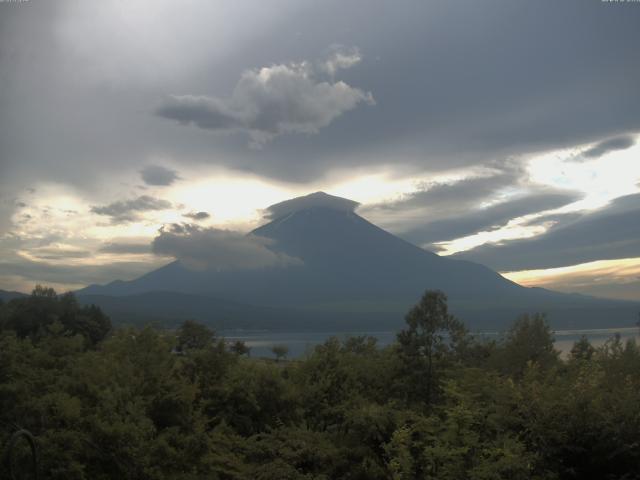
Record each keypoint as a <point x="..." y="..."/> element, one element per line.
<point x="505" y="132"/>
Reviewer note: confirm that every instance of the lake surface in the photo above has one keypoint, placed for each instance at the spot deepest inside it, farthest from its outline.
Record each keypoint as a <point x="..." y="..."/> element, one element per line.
<point x="301" y="343"/>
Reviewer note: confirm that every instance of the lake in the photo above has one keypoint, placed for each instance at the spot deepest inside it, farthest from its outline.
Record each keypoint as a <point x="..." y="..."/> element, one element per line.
<point x="300" y="343"/>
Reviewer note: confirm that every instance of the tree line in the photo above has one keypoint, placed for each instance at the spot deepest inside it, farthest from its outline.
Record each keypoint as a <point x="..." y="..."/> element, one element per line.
<point x="147" y="403"/>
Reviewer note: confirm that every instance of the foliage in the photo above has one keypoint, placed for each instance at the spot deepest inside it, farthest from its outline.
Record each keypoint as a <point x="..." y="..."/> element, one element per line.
<point x="194" y="336"/>
<point x="280" y="351"/>
<point x="33" y="316"/>
<point x="439" y="404"/>
<point x="240" y="348"/>
<point x="433" y="338"/>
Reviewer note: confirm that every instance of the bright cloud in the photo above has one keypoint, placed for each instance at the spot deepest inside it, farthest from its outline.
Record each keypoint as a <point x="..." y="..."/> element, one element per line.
<point x="272" y="101"/>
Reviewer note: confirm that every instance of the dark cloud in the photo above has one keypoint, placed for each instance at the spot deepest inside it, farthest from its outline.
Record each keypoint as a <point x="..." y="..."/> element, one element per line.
<point x="490" y="218"/>
<point x="197" y="215"/>
<point x="317" y="199"/>
<point x="272" y="101"/>
<point x="158" y="175"/>
<point x="210" y="248"/>
<point x="610" y="145"/>
<point x="128" y="210"/>
<point x="445" y="211"/>
<point x="455" y="84"/>
<point x="609" y="233"/>
<point x="458" y="196"/>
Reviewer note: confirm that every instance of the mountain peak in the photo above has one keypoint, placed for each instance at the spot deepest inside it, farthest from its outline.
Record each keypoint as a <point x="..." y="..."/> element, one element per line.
<point x="316" y="199"/>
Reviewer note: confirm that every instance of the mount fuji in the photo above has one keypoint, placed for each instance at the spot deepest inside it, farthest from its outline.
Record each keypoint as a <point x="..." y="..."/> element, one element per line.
<point x="348" y="275"/>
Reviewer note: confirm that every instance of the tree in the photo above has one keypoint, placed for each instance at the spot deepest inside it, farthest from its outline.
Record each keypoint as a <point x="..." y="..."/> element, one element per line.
<point x="582" y="349"/>
<point x="30" y="316"/>
<point x="89" y="320"/>
<point x="529" y="340"/>
<point x="280" y="351"/>
<point x="194" y="336"/>
<point x="33" y="316"/>
<point x="240" y="348"/>
<point x="431" y="336"/>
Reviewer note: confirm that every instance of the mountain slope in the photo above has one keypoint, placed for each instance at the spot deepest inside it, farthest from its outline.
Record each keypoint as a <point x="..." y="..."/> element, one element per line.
<point x="352" y="268"/>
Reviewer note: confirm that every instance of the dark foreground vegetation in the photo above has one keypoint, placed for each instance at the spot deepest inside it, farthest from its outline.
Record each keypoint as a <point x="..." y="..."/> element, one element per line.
<point x="152" y="404"/>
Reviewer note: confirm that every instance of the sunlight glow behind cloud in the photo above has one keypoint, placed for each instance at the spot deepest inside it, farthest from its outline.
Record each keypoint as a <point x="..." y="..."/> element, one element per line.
<point x="586" y="277"/>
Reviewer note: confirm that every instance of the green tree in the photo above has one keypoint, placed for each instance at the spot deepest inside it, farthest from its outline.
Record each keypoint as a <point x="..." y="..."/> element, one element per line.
<point x="34" y="315"/>
<point x="582" y="349"/>
<point x="432" y="336"/>
<point x="280" y="351"/>
<point x="194" y="336"/>
<point x="240" y="348"/>
<point x="529" y="340"/>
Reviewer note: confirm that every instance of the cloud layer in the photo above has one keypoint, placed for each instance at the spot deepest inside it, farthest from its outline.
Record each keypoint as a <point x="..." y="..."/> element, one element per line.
<point x="610" y="145"/>
<point x="489" y="218"/>
<point x="128" y="210"/>
<point x="271" y="101"/>
<point x="609" y="233"/>
<point x="441" y="211"/>
<point x="210" y="248"/>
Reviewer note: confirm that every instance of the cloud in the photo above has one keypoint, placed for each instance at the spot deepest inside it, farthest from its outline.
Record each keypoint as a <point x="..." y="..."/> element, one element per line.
<point x="317" y="199"/>
<point x="610" y="145"/>
<point x="436" y="207"/>
<point x="520" y="94"/>
<point x="485" y="201"/>
<point x="443" y="199"/>
<point x="272" y="101"/>
<point x="489" y="218"/>
<point x="197" y="215"/>
<point x="120" y="248"/>
<point x="553" y="219"/>
<point x="158" y="175"/>
<point x="41" y="272"/>
<point x="128" y="210"/>
<point x="435" y="110"/>
<point x="68" y="260"/>
<point x="339" y="58"/>
<point x="604" y="278"/>
<point x="210" y="248"/>
<point x="57" y="253"/>
<point x="609" y="233"/>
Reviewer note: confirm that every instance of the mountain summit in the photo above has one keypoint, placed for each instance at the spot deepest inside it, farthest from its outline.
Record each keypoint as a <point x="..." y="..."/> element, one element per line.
<point x="313" y="200"/>
<point x="352" y="274"/>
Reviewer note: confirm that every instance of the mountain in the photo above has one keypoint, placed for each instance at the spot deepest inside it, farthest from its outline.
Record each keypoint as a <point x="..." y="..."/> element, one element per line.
<point x="5" y="295"/>
<point x="352" y="273"/>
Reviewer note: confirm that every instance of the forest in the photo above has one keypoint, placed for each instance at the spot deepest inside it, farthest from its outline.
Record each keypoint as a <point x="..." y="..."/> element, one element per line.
<point x="107" y="402"/>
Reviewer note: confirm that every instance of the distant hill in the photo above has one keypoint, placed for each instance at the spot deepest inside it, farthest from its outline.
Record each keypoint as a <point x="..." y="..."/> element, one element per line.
<point x="353" y="274"/>
<point x="171" y="308"/>
<point x="5" y="296"/>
